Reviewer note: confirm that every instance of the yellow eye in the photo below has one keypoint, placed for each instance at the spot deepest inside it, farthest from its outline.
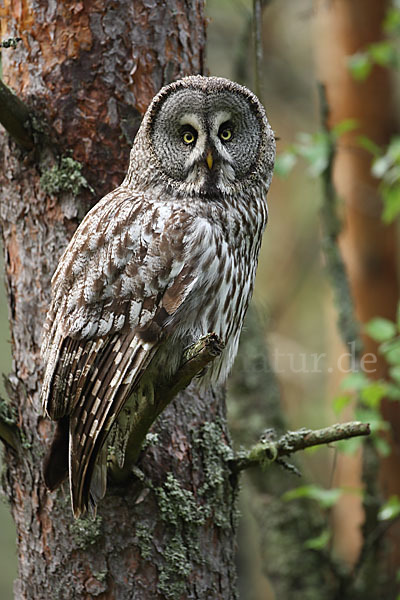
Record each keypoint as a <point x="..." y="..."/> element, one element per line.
<point x="225" y="135"/>
<point x="188" y="137"/>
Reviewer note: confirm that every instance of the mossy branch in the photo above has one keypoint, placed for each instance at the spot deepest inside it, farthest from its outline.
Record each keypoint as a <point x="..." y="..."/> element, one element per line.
<point x="265" y="452"/>
<point x="148" y="403"/>
<point x="15" y="117"/>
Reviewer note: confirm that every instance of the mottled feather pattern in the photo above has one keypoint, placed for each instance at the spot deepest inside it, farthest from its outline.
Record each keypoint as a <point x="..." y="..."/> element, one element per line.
<point x="167" y="257"/>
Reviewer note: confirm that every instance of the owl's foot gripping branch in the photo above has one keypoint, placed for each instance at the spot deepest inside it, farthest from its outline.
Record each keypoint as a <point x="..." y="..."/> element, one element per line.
<point x="196" y="359"/>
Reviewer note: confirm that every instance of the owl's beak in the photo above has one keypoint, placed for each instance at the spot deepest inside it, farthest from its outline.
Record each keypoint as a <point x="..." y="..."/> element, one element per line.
<point x="209" y="159"/>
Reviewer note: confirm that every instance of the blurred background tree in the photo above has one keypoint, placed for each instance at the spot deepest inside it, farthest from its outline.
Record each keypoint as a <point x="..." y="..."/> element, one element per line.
<point x="293" y="357"/>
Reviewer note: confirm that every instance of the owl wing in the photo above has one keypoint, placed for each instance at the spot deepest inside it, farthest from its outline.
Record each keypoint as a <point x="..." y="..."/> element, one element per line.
<point x="118" y="283"/>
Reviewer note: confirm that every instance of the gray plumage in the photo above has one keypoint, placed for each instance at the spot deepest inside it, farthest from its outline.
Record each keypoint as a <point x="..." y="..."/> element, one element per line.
<point x="167" y="257"/>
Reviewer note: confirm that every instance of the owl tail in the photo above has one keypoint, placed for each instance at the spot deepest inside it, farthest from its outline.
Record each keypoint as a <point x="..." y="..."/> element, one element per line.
<point x="55" y="465"/>
<point x="111" y="371"/>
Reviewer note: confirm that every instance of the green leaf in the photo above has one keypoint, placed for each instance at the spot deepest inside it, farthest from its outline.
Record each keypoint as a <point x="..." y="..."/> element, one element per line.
<point x="340" y="402"/>
<point x="325" y="498"/>
<point x="391" y="23"/>
<point x="315" y="149"/>
<point x="373" y="393"/>
<point x="394" y="373"/>
<point x="391" y="351"/>
<point x="383" y="53"/>
<point x="359" y="65"/>
<point x="390" y="510"/>
<point x="381" y="165"/>
<point x="354" y="381"/>
<point x="393" y="149"/>
<point x="391" y="203"/>
<point x="380" y="329"/>
<point x="284" y="163"/>
<point x="319" y="542"/>
<point x="344" y="126"/>
<point x="365" y="142"/>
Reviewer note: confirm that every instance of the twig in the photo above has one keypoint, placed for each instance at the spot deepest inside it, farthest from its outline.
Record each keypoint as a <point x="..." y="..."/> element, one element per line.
<point x="14" y="116"/>
<point x="293" y="441"/>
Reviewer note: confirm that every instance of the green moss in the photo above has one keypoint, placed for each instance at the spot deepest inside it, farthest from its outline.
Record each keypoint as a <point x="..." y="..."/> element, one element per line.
<point x="86" y="531"/>
<point x="144" y="534"/>
<point x="67" y="177"/>
<point x="184" y="513"/>
<point x="215" y="453"/>
<point x="100" y="575"/>
<point x="264" y="453"/>
<point x="177" y="567"/>
<point x="177" y="504"/>
<point x="151" y="439"/>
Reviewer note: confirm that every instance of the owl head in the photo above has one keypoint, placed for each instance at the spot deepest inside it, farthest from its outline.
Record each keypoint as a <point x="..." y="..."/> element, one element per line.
<point x="206" y="136"/>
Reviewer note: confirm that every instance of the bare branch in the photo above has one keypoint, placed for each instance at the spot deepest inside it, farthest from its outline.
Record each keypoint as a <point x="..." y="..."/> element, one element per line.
<point x="292" y="441"/>
<point x="14" y="116"/>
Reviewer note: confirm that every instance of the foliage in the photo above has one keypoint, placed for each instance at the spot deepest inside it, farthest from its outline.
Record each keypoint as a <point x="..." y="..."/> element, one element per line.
<point x="383" y="53"/>
<point x="325" y="498"/>
<point x="368" y="394"/>
<point x="314" y="148"/>
<point x="390" y="510"/>
<point x="386" y="161"/>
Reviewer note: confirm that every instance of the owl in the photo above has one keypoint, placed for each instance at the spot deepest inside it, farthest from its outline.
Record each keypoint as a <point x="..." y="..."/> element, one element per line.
<point x="164" y="259"/>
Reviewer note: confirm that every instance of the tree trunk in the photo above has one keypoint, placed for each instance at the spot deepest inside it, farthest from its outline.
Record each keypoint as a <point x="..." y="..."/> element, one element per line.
<point x="369" y="246"/>
<point x="87" y="72"/>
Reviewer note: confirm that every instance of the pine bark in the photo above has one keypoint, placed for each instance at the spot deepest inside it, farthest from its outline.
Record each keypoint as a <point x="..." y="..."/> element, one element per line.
<point x="86" y="72"/>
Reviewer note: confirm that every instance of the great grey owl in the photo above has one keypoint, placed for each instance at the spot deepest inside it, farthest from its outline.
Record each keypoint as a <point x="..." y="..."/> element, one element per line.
<point x="164" y="259"/>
